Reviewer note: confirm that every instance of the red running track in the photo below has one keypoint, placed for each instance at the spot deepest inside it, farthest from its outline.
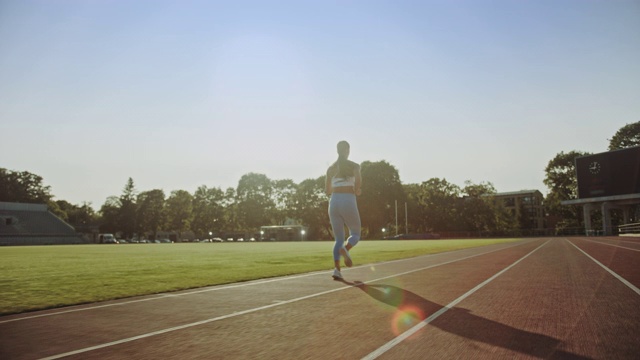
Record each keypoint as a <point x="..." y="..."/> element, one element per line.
<point x="537" y="298"/>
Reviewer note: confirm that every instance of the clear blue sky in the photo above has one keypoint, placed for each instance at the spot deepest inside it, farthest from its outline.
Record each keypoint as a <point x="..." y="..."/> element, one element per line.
<point x="178" y="94"/>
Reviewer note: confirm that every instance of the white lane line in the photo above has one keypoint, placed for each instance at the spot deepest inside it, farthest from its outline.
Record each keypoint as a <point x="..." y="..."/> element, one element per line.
<point x="160" y="296"/>
<point x="630" y="242"/>
<point x="248" y="311"/>
<point x="619" y="239"/>
<point x="75" y="310"/>
<point x="603" y="243"/>
<point x="623" y="280"/>
<point x="388" y="346"/>
<point x="185" y="326"/>
<point x="218" y="288"/>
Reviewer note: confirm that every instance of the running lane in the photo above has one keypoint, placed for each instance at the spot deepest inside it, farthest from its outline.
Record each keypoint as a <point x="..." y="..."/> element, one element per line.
<point x="618" y="254"/>
<point x="555" y="304"/>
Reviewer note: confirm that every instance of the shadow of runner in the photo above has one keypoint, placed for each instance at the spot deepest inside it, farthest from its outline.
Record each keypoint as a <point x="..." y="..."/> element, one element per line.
<point x="463" y="323"/>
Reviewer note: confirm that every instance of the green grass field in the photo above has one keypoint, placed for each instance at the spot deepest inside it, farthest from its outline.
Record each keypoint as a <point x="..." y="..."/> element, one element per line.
<point x="40" y="277"/>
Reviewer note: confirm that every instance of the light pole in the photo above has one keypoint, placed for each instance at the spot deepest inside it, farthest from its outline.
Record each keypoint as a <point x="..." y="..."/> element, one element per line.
<point x="383" y="233"/>
<point x="396" y="217"/>
<point x="406" y="219"/>
<point x="302" y="232"/>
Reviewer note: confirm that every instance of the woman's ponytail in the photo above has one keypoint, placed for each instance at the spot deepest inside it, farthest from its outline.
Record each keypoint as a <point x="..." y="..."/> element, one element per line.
<point x="345" y="169"/>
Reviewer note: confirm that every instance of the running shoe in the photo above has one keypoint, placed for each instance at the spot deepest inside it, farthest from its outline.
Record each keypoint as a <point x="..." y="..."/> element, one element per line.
<point x="347" y="258"/>
<point x="337" y="275"/>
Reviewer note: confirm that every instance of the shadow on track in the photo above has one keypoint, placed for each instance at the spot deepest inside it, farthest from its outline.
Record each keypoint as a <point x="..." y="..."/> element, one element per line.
<point x="464" y="323"/>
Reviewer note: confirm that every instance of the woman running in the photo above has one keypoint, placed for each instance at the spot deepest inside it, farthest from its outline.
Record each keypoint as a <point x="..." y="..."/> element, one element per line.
<point x="343" y="183"/>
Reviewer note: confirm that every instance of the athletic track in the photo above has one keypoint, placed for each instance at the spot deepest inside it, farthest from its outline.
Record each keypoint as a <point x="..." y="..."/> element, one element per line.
<point x="551" y="298"/>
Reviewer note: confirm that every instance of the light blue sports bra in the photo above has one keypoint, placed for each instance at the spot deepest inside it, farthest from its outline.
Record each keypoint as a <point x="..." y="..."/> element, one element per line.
<point x="338" y="182"/>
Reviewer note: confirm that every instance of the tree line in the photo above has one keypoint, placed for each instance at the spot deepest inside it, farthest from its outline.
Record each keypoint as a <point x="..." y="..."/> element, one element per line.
<point x="434" y="205"/>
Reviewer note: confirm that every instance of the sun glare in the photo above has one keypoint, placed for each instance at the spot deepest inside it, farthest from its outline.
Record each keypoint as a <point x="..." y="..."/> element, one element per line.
<point x="405" y="318"/>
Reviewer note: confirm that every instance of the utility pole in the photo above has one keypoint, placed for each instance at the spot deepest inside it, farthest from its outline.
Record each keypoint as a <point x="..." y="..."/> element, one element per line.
<point x="396" y="217"/>
<point x="406" y="219"/>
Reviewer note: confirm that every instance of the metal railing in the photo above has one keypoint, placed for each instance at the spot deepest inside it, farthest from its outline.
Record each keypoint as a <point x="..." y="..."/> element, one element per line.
<point x="629" y="229"/>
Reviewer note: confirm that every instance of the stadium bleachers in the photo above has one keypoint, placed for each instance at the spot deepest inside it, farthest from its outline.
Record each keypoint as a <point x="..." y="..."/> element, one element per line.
<point x="33" y="224"/>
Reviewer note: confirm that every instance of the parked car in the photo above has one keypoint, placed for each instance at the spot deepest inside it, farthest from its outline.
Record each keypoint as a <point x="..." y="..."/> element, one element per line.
<point x="229" y="239"/>
<point x="107" y="239"/>
<point x="217" y="239"/>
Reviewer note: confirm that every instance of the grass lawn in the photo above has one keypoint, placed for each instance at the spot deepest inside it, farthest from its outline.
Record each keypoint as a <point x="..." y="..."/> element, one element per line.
<point x="40" y="277"/>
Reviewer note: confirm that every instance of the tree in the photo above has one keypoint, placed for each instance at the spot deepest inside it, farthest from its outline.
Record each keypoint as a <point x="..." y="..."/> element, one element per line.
<point x="439" y="199"/>
<point x="283" y="193"/>
<point x="83" y="215"/>
<point x="626" y="136"/>
<point x="230" y="205"/>
<point x="476" y="210"/>
<point x="54" y="208"/>
<point x="480" y="211"/>
<point x="562" y="182"/>
<point x="23" y="187"/>
<point x="504" y="222"/>
<point x="76" y="215"/>
<point x="179" y="207"/>
<point x="64" y="207"/>
<point x="310" y="205"/>
<point x="254" y="201"/>
<point x="416" y="213"/>
<point x="208" y="211"/>
<point x="127" y="223"/>
<point x="381" y="188"/>
<point x="110" y="215"/>
<point x="150" y="211"/>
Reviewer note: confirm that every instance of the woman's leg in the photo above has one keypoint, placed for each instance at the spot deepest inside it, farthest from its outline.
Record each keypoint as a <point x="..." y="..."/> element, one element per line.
<point x="351" y="218"/>
<point x="337" y="225"/>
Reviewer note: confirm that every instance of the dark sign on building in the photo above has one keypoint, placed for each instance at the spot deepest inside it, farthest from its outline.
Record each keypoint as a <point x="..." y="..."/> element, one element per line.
<point x="610" y="173"/>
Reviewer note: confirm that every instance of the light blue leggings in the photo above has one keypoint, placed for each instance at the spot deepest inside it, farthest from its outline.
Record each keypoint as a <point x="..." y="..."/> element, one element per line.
<point x="343" y="210"/>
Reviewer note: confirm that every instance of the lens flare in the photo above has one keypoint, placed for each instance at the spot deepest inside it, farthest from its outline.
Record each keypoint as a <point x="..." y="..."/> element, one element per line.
<point x="405" y="318"/>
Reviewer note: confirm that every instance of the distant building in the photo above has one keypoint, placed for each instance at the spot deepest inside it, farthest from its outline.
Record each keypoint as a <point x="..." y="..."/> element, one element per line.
<point x="526" y="206"/>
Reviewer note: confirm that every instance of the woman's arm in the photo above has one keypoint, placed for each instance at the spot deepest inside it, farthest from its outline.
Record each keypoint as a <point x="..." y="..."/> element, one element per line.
<point x="327" y="181"/>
